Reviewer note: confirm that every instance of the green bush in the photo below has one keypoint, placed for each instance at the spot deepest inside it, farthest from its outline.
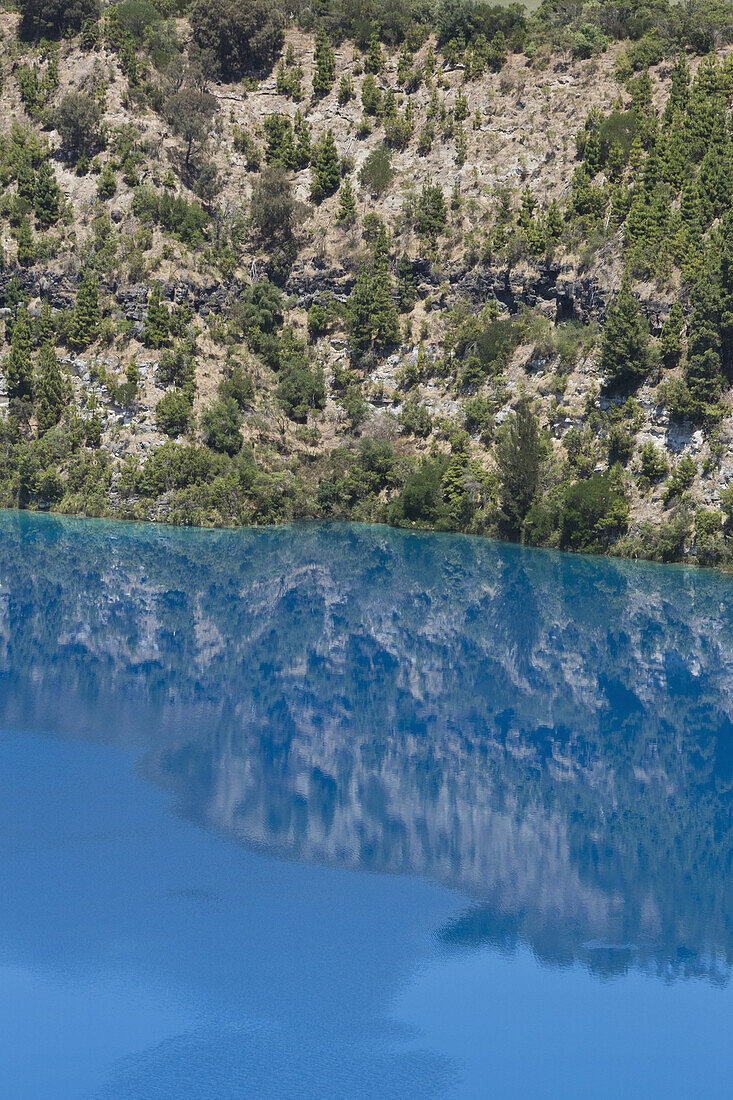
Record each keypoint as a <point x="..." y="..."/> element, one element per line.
<point x="594" y="512"/>
<point x="377" y="172"/>
<point x="221" y="424"/>
<point x="173" y="413"/>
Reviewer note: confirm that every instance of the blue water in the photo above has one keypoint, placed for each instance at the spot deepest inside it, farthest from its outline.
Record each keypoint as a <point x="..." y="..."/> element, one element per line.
<point x="339" y="811"/>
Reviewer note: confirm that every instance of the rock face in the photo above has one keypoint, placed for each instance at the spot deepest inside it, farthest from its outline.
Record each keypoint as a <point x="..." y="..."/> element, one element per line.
<point x="143" y="220"/>
<point x="576" y="299"/>
<point x="527" y="728"/>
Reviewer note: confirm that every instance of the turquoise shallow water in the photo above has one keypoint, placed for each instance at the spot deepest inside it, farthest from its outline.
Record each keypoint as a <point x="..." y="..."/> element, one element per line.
<point x="339" y="811"/>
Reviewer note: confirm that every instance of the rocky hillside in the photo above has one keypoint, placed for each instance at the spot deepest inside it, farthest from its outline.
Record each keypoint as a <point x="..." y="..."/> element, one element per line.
<point x="479" y="283"/>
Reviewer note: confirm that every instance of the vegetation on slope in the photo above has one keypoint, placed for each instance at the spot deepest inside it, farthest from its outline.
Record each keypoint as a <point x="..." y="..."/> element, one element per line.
<point x="445" y="265"/>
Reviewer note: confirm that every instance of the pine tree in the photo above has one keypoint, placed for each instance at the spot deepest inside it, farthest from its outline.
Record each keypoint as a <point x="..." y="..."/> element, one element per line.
<point x="26" y="244"/>
<point x="157" y="321"/>
<point x="54" y="391"/>
<point x="326" y="168"/>
<point x="674" y="151"/>
<point x="625" y="343"/>
<point x="346" y="90"/>
<point x="670" y="342"/>
<point x="347" y="203"/>
<point x="302" y="151"/>
<point x="636" y="153"/>
<point x="360" y="311"/>
<point x="454" y="491"/>
<point x="16" y="300"/>
<point x="25" y="178"/>
<point x="45" y="326"/>
<point x="704" y="367"/>
<point x="679" y="92"/>
<point x="615" y="161"/>
<point x="554" y="223"/>
<point x="527" y="209"/>
<point x="714" y="177"/>
<point x="324" y="72"/>
<point x="47" y="195"/>
<point x="18" y="366"/>
<point x="87" y="317"/>
<point x="519" y="459"/>
<point x="592" y="152"/>
<point x="374" y="61"/>
<point x="384" y="321"/>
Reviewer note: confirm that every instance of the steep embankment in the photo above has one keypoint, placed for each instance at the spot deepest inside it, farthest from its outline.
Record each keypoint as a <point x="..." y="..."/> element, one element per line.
<point x="428" y="242"/>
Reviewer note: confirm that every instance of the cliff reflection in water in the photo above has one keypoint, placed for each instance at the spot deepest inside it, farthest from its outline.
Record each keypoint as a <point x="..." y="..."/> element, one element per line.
<point x="549" y="735"/>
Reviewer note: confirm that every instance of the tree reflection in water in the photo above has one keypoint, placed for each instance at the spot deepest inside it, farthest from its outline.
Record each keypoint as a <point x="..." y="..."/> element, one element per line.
<point x="551" y="735"/>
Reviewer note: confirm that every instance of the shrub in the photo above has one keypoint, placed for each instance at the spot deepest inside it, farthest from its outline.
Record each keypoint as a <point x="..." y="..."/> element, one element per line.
<point x="221" y="424"/>
<point x="239" y="33"/>
<point x="77" y="121"/>
<point x="173" y="413"/>
<point x="415" y="417"/>
<point x="377" y="171"/>
<point x="420" y="501"/>
<point x="653" y="465"/>
<point x="239" y="386"/>
<point x="593" y="513"/>
<point x="52" y="18"/>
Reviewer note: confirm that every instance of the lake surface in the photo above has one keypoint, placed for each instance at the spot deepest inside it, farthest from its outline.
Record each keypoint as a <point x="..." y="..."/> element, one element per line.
<point x="339" y="811"/>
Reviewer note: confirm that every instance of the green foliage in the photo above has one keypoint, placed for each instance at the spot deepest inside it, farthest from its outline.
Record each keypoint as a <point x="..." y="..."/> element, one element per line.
<point x="683" y="475"/>
<point x="670" y="344"/>
<point x="594" y="512"/>
<point x="420" y="501"/>
<point x="47" y="195"/>
<point x="238" y="34"/>
<point x="326" y="168"/>
<point x="107" y="183"/>
<point x="258" y="315"/>
<point x="374" y="61"/>
<point x="221" y="424"/>
<point x="372" y="313"/>
<point x="302" y="388"/>
<point x="53" y="18"/>
<point x="318" y="319"/>
<point x="26" y="254"/>
<point x="415" y="417"/>
<point x="18" y="365"/>
<point x="173" y="413"/>
<point x="710" y="546"/>
<point x="157" y="321"/>
<point x="625" y="350"/>
<point x="371" y="96"/>
<point x="324" y="71"/>
<point x="287" y="143"/>
<point x="653" y="465"/>
<point x="710" y="328"/>
<point x="275" y="215"/>
<point x="187" y="221"/>
<point x="86" y="318"/>
<point x="54" y="390"/>
<point x="177" y="367"/>
<point x="290" y="81"/>
<point x="431" y="213"/>
<point x="377" y="172"/>
<point x="77" y="120"/>
<point x="189" y="112"/>
<point x="347" y="204"/>
<point x="237" y="385"/>
<point x="345" y="91"/>
<point x="519" y="454"/>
